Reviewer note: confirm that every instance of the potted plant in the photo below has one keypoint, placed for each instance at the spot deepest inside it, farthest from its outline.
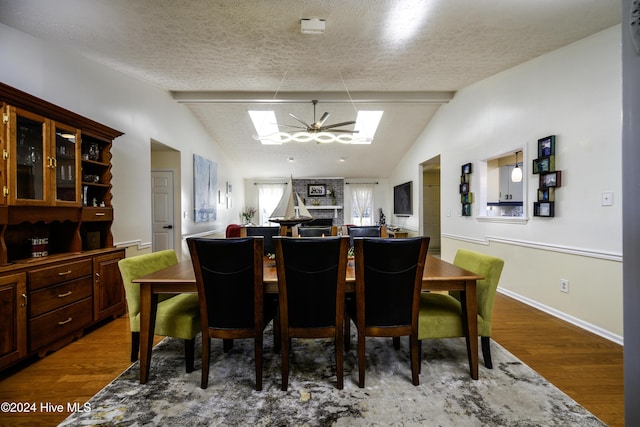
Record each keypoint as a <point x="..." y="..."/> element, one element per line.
<point x="248" y="215"/>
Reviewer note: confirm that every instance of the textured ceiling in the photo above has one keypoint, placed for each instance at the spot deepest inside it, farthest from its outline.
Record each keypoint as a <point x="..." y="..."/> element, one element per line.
<point x="256" y="46"/>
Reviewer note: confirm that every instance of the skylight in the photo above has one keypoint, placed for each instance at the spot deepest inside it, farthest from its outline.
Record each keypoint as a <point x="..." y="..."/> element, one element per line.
<point x="366" y="124"/>
<point x="266" y="125"/>
<point x="268" y="132"/>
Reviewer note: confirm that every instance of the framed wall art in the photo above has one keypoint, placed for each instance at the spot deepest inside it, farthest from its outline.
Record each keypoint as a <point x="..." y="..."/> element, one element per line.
<point x="551" y="179"/>
<point x="316" y="190"/>
<point x="544" y="164"/>
<point x="544" y="209"/>
<point x="547" y="146"/>
<point x="205" y="184"/>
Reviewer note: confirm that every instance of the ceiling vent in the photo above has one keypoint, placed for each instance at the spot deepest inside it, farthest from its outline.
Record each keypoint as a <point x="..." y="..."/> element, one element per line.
<point x="312" y="26"/>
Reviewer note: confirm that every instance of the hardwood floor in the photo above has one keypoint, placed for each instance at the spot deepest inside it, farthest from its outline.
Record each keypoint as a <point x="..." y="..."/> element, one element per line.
<point x="586" y="367"/>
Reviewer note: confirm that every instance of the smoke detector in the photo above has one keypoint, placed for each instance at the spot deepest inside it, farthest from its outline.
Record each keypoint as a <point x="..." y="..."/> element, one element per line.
<point x="312" y="26"/>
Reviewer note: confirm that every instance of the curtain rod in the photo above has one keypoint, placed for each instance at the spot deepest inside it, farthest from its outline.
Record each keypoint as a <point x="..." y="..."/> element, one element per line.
<point x="270" y="183"/>
<point x="376" y="182"/>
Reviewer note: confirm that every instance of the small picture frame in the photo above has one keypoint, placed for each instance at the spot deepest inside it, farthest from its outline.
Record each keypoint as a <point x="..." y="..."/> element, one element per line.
<point x="544" y="164"/>
<point x="466" y="169"/>
<point x="464" y="178"/>
<point x="466" y="209"/>
<point x="547" y="146"/>
<point x="550" y="179"/>
<point x="464" y="188"/>
<point x="544" y="209"/>
<point x="546" y="194"/>
<point x="316" y="190"/>
<point x="466" y="198"/>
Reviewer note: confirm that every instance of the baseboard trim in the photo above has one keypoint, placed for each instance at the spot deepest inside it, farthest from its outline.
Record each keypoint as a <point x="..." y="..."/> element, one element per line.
<point x="566" y="317"/>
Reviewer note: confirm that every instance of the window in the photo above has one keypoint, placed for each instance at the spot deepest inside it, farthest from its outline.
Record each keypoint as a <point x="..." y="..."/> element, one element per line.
<point x="268" y="198"/>
<point x="362" y="201"/>
<point x="501" y="198"/>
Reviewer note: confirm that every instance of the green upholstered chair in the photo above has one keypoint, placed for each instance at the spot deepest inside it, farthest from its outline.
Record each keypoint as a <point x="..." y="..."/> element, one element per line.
<point x="441" y="314"/>
<point x="177" y="315"/>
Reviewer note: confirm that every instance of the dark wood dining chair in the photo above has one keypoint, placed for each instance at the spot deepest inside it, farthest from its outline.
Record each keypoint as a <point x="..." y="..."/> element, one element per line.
<point x="365" y="231"/>
<point x="311" y="282"/>
<point x="229" y="278"/>
<point x="387" y="301"/>
<point x="330" y="230"/>
<point x="265" y="231"/>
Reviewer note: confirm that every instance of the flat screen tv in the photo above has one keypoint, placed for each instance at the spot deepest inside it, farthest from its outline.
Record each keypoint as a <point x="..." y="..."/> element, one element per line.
<point x="402" y="199"/>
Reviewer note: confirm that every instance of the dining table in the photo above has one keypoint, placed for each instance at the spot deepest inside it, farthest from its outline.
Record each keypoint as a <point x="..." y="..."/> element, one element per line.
<point x="439" y="275"/>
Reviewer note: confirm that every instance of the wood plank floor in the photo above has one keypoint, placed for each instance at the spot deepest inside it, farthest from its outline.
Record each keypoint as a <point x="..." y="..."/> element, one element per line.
<point x="586" y="367"/>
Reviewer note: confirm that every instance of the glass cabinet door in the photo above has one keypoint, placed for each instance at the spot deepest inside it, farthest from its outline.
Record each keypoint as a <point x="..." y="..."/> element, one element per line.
<point x="30" y="158"/>
<point x="67" y="143"/>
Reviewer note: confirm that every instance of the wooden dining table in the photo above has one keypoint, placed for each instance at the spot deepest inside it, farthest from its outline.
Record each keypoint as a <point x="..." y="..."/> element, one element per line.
<point x="438" y="275"/>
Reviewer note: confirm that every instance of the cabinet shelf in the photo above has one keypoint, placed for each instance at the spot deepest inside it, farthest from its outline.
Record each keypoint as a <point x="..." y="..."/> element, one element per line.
<point x="95" y="163"/>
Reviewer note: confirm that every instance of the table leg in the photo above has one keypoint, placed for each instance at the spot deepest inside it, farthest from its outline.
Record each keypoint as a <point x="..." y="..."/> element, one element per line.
<point x="148" y="308"/>
<point x="470" y="323"/>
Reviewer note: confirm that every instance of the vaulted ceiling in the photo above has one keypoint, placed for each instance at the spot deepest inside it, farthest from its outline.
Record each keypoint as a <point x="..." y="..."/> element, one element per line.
<point x="223" y="58"/>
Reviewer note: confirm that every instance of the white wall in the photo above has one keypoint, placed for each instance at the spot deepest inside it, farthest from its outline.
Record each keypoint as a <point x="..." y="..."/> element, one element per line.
<point x="143" y="112"/>
<point x="575" y="94"/>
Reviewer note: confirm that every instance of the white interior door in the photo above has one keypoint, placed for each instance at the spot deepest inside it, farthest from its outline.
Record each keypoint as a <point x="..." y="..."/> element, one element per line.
<point x="162" y="210"/>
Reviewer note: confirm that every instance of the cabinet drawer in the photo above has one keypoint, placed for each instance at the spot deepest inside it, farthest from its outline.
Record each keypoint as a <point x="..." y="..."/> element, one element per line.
<point x="59" y="273"/>
<point x="56" y="296"/>
<point x="97" y="214"/>
<point x="52" y="326"/>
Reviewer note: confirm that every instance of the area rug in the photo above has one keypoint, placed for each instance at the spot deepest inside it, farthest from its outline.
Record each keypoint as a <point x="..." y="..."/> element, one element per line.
<point x="510" y="394"/>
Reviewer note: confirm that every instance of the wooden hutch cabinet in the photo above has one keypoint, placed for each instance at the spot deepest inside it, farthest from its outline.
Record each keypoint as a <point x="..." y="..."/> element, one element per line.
<point x="58" y="266"/>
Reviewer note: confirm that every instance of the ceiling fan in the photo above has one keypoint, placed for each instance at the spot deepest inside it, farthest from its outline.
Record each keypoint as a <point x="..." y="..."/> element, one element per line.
<point x="319" y="126"/>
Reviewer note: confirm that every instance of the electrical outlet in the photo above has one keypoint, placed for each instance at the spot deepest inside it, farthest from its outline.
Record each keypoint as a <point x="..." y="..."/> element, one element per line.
<point x="564" y="286"/>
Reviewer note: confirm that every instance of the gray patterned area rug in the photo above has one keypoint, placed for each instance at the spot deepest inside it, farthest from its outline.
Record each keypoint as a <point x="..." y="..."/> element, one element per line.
<point x="510" y="394"/>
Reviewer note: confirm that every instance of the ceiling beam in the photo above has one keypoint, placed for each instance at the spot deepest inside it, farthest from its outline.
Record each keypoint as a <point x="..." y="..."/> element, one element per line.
<point x="230" y="97"/>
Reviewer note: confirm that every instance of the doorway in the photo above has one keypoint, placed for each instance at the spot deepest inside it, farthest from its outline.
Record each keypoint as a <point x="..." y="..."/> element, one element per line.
<point x="162" y="218"/>
<point x="165" y="198"/>
<point x="431" y="204"/>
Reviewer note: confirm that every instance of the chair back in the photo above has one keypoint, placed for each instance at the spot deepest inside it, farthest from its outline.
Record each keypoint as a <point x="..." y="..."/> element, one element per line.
<point x="490" y="268"/>
<point x="266" y="232"/>
<point x="365" y="231"/>
<point x="229" y="281"/>
<point x="389" y="279"/>
<point x="233" y="230"/>
<point x="320" y="222"/>
<point x="317" y="231"/>
<point x="311" y="279"/>
<point x="135" y="267"/>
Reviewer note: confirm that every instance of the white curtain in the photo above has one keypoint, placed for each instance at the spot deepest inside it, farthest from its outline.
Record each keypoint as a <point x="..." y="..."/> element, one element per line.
<point x="362" y="198"/>
<point x="268" y="197"/>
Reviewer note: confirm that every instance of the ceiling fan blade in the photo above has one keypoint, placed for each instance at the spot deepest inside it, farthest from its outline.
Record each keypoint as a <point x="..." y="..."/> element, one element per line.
<point x="320" y="122"/>
<point x="339" y="130"/>
<point x="335" y="125"/>
<point x="293" y="126"/>
<point x="305" y="124"/>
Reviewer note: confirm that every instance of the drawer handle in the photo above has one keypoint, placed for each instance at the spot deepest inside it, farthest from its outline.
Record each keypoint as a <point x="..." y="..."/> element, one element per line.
<point x="100" y="214"/>
<point x="66" y="294"/>
<point x="64" y="322"/>
<point x="64" y="273"/>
